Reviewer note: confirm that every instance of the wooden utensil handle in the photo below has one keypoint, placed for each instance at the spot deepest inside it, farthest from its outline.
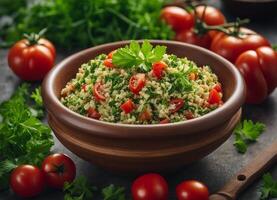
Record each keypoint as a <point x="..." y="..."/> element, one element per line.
<point x="251" y="172"/>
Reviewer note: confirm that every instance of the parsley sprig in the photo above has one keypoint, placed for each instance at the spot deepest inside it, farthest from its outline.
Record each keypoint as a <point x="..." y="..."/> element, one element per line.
<point x="113" y="192"/>
<point x="269" y="187"/>
<point x="247" y="132"/>
<point x="23" y="137"/>
<point x="138" y="55"/>
<point x="81" y="189"/>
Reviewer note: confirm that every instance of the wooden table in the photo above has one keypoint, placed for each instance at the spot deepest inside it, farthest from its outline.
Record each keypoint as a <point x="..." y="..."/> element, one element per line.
<point x="214" y="170"/>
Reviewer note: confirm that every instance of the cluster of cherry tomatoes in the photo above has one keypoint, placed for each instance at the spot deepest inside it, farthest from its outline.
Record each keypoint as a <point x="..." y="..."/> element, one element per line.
<point x="249" y="51"/>
<point x="29" y="180"/>
<point x="154" y="186"/>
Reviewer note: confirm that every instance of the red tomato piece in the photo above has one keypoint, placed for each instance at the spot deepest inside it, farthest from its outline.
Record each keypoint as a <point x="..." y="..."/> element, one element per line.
<point x="189" y="115"/>
<point x="97" y="91"/>
<point x="178" y="104"/>
<point x="178" y="18"/>
<point x="128" y="106"/>
<point x="110" y="55"/>
<point x="165" y="121"/>
<point x="214" y="97"/>
<point x="145" y="115"/>
<point x="27" y="181"/>
<point x="84" y="87"/>
<point x="58" y="169"/>
<point x="92" y="113"/>
<point x="158" y="69"/>
<point x="192" y="190"/>
<point x="108" y="62"/>
<point x="137" y="82"/>
<point x="150" y="187"/>
<point x="218" y="88"/>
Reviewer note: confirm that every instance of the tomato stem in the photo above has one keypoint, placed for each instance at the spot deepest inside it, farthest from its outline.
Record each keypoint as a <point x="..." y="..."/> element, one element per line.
<point x="33" y="38"/>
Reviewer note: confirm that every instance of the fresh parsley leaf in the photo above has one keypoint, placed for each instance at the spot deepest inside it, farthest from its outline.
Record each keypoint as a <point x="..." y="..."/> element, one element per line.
<point x="36" y="96"/>
<point x="247" y="132"/>
<point x="113" y="193"/>
<point x="269" y="187"/>
<point x="23" y="137"/>
<point x="128" y="20"/>
<point x="37" y="109"/>
<point x="136" y="55"/>
<point x="79" y="189"/>
<point x="180" y="82"/>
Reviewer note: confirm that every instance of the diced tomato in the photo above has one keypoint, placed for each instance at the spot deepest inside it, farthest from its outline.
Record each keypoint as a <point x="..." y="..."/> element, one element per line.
<point x="84" y="87"/>
<point x="218" y="88"/>
<point x="137" y="82"/>
<point x="128" y="106"/>
<point x="165" y="121"/>
<point x="189" y="114"/>
<point x="214" y="97"/>
<point x="158" y="69"/>
<point x="178" y="104"/>
<point x="193" y="76"/>
<point x="108" y="62"/>
<point x="110" y="55"/>
<point x="98" y="93"/>
<point x="145" y="115"/>
<point x="92" y="113"/>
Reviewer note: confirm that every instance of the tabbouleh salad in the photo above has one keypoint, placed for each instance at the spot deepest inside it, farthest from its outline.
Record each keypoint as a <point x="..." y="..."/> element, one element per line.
<point x="141" y="84"/>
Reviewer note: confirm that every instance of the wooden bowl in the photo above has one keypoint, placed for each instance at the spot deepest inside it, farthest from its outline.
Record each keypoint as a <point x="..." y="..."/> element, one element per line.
<point x="137" y="148"/>
<point x="255" y="9"/>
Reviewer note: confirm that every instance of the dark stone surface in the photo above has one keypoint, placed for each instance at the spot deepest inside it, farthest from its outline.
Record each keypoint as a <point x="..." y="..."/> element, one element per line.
<point x="214" y="170"/>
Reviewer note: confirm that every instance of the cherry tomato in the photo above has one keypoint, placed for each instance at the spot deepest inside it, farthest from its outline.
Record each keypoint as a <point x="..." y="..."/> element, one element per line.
<point x="92" y="113"/>
<point x="165" y="121"/>
<point x="145" y="115"/>
<point x="212" y="15"/>
<point x="230" y="47"/>
<point x="150" y="187"/>
<point x="158" y="69"/>
<point x="192" y="190"/>
<point x="27" y="181"/>
<point x="32" y="60"/>
<point x="128" y="106"/>
<point x="178" y="18"/>
<point x="177" y="103"/>
<point x="136" y="83"/>
<point x="189" y="36"/>
<point x="214" y="97"/>
<point x="98" y="93"/>
<point x="58" y="169"/>
<point x="108" y="62"/>
<point x="259" y="69"/>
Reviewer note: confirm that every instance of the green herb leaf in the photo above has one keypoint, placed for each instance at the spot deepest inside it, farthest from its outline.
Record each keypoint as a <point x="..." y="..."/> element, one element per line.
<point x="274" y="47"/>
<point x="136" y="55"/>
<point x="23" y="138"/>
<point x="247" y="132"/>
<point x="127" y="19"/>
<point x="79" y="189"/>
<point x="269" y="187"/>
<point x="113" y="193"/>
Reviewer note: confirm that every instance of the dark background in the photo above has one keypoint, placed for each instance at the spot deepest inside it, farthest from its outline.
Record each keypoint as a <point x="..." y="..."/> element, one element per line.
<point x="214" y="170"/>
